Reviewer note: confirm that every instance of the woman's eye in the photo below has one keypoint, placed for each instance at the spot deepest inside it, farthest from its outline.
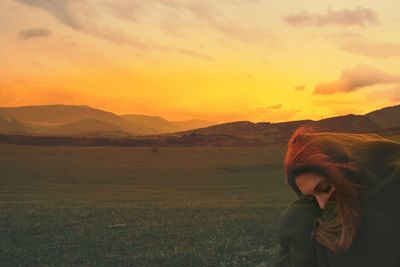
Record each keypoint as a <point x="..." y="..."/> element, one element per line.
<point x="325" y="188"/>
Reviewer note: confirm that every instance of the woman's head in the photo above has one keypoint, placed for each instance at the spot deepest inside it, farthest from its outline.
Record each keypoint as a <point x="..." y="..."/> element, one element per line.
<point x="318" y="169"/>
<point x="316" y="185"/>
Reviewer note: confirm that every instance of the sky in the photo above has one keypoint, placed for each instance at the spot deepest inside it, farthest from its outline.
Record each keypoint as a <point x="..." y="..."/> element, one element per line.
<point x="220" y="60"/>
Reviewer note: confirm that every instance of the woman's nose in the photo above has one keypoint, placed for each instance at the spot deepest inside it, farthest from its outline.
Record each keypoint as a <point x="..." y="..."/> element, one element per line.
<point x="321" y="202"/>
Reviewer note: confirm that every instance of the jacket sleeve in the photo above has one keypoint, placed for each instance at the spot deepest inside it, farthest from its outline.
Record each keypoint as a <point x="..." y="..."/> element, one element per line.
<point x="297" y="246"/>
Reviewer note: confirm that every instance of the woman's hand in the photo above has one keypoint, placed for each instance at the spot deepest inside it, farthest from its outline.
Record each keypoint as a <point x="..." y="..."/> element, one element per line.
<point x="295" y="233"/>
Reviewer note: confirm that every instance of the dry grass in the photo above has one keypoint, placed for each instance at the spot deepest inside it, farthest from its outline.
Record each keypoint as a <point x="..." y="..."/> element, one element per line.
<point x="113" y="206"/>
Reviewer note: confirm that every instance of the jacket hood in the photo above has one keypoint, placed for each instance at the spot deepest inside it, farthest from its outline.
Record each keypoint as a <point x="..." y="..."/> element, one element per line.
<point x="375" y="158"/>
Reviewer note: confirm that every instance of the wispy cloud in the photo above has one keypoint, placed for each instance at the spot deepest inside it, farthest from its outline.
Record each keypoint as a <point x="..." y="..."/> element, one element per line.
<point x="277" y="106"/>
<point x="82" y="17"/>
<point x="183" y="51"/>
<point x="214" y="17"/>
<point x="342" y="17"/>
<point x="391" y="95"/>
<point x="355" y="79"/>
<point x="358" y="45"/>
<point x="373" y="49"/>
<point x="70" y="14"/>
<point x="62" y="10"/>
<point x="300" y="87"/>
<point x="179" y="17"/>
<point x="273" y="113"/>
<point x="129" y="10"/>
<point x="34" y="33"/>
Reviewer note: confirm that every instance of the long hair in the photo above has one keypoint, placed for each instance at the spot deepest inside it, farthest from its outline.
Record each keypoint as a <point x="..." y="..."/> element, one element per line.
<point x="306" y="154"/>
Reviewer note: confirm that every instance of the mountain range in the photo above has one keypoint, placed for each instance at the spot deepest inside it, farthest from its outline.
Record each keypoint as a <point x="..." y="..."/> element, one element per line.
<point x="376" y="120"/>
<point x="67" y="120"/>
<point x="61" y="124"/>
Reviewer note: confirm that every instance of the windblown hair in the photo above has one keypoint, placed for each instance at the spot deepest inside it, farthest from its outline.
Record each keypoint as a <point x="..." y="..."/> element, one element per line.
<point x="306" y="154"/>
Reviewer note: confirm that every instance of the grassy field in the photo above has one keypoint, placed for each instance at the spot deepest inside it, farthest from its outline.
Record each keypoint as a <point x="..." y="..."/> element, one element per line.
<point x="115" y="206"/>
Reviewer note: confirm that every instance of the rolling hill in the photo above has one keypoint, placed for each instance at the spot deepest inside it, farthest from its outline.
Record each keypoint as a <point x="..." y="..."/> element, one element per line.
<point x="165" y="126"/>
<point x="82" y="127"/>
<point x="154" y="122"/>
<point x="378" y="120"/>
<point x="71" y="119"/>
<point x="59" y="114"/>
<point x="106" y="128"/>
<point x="12" y="126"/>
<point x="386" y="117"/>
<point x="192" y="124"/>
<point x="57" y="119"/>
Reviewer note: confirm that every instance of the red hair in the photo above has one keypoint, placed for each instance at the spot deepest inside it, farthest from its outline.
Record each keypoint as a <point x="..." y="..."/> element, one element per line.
<point x="306" y="153"/>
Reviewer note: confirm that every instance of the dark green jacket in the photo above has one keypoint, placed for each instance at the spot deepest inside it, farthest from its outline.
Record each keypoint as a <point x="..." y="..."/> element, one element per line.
<point x="378" y="241"/>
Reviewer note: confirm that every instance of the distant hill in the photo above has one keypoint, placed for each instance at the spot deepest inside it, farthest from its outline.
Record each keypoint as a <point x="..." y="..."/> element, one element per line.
<point x="12" y="126"/>
<point x="59" y="114"/>
<point x="70" y="119"/>
<point x="45" y="119"/>
<point x="386" y="117"/>
<point x="159" y="124"/>
<point x="192" y="124"/>
<point x="247" y="128"/>
<point x="105" y="128"/>
<point x="280" y="132"/>
<point x="348" y="123"/>
<point x="165" y="126"/>
<point x="81" y="127"/>
<point x="233" y="128"/>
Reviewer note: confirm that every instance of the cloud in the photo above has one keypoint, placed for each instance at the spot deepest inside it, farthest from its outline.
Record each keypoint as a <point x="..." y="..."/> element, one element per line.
<point x="34" y="33"/>
<point x="277" y="106"/>
<point x="75" y="14"/>
<point x="62" y="10"/>
<point x="183" y="51"/>
<point x="212" y="16"/>
<point x="178" y="17"/>
<point x="272" y="113"/>
<point x="129" y="10"/>
<point x="358" y="45"/>
<point x="300" y="87"/>
<point x="371" y="49"/>
<point x="342" y="17"/>
<point x="71" y="14"/>
<point x="355" y="79"/>
<point x="391" y="95"/>
<point x="83" y="17"/>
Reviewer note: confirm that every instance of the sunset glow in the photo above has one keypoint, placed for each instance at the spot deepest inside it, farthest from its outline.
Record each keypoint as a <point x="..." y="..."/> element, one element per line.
<point x="212" y="60"/>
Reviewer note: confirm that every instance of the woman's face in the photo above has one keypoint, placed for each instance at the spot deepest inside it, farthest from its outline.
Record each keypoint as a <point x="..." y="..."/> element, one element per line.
<point x="316" y="185"/>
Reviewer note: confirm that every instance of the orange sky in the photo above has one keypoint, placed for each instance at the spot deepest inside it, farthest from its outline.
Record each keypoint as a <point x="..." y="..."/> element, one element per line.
<point x="214" y="60"/>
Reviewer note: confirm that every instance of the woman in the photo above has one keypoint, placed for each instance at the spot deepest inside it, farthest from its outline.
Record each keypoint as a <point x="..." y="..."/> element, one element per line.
<point x="348" y="207"/>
